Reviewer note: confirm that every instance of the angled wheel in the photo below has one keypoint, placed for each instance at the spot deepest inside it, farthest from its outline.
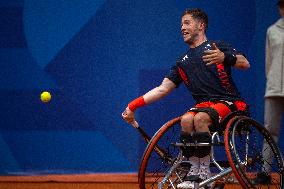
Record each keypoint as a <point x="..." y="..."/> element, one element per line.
<point x="244" y="139"/>
<point x="159" y="157"/>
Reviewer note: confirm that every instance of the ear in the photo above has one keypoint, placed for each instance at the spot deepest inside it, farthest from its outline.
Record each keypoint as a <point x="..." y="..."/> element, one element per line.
<point x="201" y="26"/>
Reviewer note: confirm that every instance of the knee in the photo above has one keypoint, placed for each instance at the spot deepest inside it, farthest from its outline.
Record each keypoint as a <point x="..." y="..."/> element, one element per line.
<point x="187" y="120"/>
<point x="202" y="121"/>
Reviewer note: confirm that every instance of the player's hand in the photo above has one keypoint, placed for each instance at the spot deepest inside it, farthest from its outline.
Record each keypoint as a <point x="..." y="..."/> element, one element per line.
<point x="128" y="116"/>
<point x="213" y="56"/>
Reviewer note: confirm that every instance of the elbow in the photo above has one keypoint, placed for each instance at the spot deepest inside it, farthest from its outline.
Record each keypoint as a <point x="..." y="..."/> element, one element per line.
<point x="242" y="63"/>
<point x="245" y="65"/>
<point x="163" y="91"/>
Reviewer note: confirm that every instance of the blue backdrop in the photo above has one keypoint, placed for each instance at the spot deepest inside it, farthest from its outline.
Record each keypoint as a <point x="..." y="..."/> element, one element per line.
<point x="94" y="56"/>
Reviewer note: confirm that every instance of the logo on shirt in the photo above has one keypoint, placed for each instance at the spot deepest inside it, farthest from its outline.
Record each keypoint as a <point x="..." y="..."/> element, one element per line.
<point x="207" y="47"/>
<point x="184" y="58"/>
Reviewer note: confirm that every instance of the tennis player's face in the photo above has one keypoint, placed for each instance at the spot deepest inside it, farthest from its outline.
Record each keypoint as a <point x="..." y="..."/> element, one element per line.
<point x="189" y="29"/>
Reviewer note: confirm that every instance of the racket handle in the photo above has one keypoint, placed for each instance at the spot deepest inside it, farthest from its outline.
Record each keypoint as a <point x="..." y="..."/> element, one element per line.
<point x="135" y="124"/>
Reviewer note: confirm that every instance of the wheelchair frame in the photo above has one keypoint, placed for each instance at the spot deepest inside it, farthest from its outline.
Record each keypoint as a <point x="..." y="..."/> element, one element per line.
<point x="236" y="126"/>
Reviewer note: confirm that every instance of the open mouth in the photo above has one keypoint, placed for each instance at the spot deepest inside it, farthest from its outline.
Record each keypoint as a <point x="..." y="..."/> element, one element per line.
<point x="185" y="34"/>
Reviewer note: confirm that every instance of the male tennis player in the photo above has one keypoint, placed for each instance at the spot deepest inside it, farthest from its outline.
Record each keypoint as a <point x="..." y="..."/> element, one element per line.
<point x="205" y="69"/>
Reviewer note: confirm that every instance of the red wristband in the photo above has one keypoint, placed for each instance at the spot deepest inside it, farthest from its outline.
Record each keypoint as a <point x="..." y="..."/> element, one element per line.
<point x="137" y="103"/>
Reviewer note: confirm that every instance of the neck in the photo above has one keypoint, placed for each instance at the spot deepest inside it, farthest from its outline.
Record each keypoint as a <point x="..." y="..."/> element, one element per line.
<point x="281" y="12"/>
<point x="198" y="42"/>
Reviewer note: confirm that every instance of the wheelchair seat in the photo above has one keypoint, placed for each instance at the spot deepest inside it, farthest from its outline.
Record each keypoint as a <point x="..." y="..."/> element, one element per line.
<point x="220" y="128"/>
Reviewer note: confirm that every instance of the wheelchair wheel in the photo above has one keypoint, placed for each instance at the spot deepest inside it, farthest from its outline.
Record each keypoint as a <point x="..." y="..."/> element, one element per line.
<point x="159" y="157"/>
<point x="244" y="139"/>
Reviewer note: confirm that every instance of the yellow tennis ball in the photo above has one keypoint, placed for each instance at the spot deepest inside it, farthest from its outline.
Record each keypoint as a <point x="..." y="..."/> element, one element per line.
<point x="45" y="96"/>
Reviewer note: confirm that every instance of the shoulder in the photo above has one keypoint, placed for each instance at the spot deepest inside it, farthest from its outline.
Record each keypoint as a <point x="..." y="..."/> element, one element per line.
<point x="220" y="43"/>
<point x="276" y="27"/>
<point x="271" y="29"/>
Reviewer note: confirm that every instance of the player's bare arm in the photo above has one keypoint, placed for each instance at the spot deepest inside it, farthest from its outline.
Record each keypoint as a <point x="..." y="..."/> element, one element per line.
<point x="153" y="95"/>
<point x="159" y="92"/>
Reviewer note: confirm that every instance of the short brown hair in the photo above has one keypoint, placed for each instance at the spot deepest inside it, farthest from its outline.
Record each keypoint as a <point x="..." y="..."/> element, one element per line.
<point x="198" y="14"/>
<point x="280" y="3"/>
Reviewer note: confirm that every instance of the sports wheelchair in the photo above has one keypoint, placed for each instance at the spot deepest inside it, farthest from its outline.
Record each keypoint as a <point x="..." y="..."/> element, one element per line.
<point x="163" y="166"/>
